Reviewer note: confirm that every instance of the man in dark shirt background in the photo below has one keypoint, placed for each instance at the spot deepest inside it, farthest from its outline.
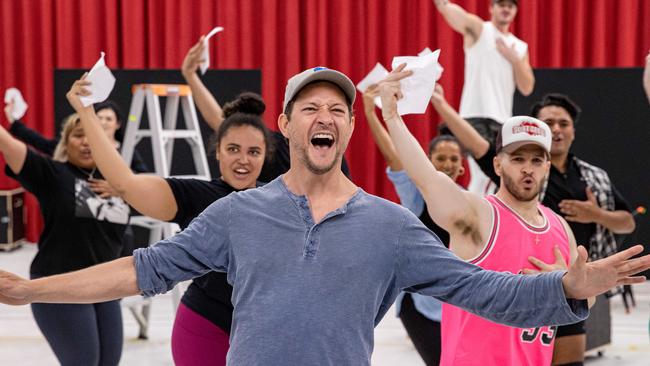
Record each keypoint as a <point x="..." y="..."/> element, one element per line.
<point x="585" y="196"/>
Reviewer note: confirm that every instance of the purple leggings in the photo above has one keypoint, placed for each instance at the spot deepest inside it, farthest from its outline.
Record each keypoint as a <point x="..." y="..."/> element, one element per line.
<point x="197" y="341"/>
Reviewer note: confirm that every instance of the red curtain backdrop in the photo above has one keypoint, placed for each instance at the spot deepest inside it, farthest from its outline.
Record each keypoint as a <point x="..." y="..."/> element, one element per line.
<point x="283" y="37"/>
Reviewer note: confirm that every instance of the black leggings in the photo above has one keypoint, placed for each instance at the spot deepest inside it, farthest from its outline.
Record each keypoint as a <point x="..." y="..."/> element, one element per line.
<point x="424" y="332"/>
<point x="82" y="334"/>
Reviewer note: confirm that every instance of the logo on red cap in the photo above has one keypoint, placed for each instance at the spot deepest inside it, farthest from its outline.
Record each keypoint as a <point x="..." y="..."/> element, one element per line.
<point x="530" y="128"/>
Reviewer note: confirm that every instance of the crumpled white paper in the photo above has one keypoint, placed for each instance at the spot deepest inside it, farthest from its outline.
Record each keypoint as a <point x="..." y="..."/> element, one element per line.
<point x="206" y="49"/>
<point x="19" y="107"/>
<point x="102" y="82"/>
<point x="417" y="88"/>
<point x="439" y="67"/>
<point x="377" y="74"/>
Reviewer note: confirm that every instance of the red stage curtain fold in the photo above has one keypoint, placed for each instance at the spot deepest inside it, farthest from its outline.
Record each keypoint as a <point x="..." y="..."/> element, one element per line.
<point x="282" y="37"/>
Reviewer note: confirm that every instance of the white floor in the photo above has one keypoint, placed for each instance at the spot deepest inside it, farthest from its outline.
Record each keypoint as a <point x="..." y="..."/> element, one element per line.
<point x="22" y="344"/>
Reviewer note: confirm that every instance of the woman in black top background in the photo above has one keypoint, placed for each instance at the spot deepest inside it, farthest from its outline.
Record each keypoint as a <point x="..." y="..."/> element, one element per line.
<point x="81" y="229"/>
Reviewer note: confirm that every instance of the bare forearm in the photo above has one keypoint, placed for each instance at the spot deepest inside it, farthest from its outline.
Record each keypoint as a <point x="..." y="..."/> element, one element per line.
<point x="415" y="162"/>
<point x="467" y="135"/>
<point x="107" y="158"/>
<point x="382" y="139"/>
<point x="524" y="77"/>
<point x="434" y="186"/>
<point x="14" y="151"/>
<point x="151" y="195"/>
<point x="103" y="282"/>
<point x="205" y="101"/>
<point x="437" y="189"/>
<point x="620" y="222"/>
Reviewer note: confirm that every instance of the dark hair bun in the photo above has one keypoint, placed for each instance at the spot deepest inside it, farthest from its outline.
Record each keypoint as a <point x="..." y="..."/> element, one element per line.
<point x="250" y="103"/>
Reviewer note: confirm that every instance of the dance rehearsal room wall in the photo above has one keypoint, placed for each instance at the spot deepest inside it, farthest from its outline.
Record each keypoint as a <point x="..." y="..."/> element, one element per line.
<point x="283" y="37"/>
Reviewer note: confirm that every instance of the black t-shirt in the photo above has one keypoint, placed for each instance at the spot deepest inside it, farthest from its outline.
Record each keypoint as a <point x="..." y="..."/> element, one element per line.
<point x="571" y="186"/>
<point x="279" y="162"/>
<point x="210" y="294"/>
<point x="561" y="186"/>
<point x="428" y="222"/>
<point x="80" y="228"/>
<point x="486" y="164"/>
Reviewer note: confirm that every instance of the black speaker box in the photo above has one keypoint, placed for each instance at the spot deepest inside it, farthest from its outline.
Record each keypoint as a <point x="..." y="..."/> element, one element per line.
<point x="12" y="220"/>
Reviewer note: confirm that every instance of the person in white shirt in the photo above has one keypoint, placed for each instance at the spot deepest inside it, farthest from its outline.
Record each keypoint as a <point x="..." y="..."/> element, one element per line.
<point x="496" y="62"/>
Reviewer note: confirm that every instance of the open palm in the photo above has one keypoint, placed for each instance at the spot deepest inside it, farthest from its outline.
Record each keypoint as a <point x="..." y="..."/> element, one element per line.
<point x="586" y="280"/>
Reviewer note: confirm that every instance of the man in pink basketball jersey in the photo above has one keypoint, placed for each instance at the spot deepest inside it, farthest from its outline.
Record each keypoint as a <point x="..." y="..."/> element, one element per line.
<point x="500" y="232"/>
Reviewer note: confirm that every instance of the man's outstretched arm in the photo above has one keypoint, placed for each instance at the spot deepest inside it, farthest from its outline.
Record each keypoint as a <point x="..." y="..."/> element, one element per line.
<point x="517" y="300"/>
<point x="103" y="282"/>
<point x="201" y="247"/>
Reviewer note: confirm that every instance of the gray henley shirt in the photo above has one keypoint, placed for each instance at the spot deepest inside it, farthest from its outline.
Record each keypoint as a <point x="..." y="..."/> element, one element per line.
<point x="310" y="293"/>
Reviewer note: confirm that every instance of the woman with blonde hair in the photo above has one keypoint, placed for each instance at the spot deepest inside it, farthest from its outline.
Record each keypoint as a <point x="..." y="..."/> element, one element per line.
<point x="110" y="116"/>
<point x="81" y="229"/>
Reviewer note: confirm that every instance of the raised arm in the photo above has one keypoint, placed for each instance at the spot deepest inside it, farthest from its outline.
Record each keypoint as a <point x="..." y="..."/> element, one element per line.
<point x="27" y="135"/>
<point x="379" y="133"/>
<point x="149" y="194"/>
<point x="205" y="101"/>
<point x="13" y="151"/>
<point x="467" y="24"/>
<point x="467" y="135"/>
<point x="450" y="207"/>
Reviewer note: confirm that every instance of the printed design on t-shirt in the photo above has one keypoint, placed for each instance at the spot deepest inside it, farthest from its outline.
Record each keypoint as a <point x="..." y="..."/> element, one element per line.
<point x="544" y="335"/>
<point x="90" y="205"/>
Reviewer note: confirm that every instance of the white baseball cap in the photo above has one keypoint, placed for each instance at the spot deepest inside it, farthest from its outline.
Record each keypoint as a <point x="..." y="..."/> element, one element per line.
<point x="319" y="73"/>
<point x="523" y="130"/>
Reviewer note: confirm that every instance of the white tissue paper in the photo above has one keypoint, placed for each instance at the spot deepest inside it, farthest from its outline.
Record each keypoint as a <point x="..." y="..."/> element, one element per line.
<point x="206" y="49"/>
<point x="439" y="67"/>
<point x="417" y="88"/>
<point x="377" y="74"/>
<point x="101" y="83"/>
<point x="20" y="106"/>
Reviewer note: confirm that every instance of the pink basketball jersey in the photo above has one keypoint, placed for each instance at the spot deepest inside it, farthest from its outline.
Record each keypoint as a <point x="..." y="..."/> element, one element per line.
<point x="468" y="339"/>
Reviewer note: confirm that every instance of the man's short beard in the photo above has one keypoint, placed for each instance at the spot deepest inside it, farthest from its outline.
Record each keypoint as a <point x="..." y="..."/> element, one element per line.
<point x="304" y="158"/>
<point x="511" y="187"/>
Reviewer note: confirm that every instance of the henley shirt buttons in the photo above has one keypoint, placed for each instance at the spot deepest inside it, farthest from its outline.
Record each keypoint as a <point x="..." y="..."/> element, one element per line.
<point x="311" y="244"/>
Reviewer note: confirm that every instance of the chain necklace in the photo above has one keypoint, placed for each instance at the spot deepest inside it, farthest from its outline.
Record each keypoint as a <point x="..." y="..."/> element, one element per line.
<point x="90" y="175"/>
